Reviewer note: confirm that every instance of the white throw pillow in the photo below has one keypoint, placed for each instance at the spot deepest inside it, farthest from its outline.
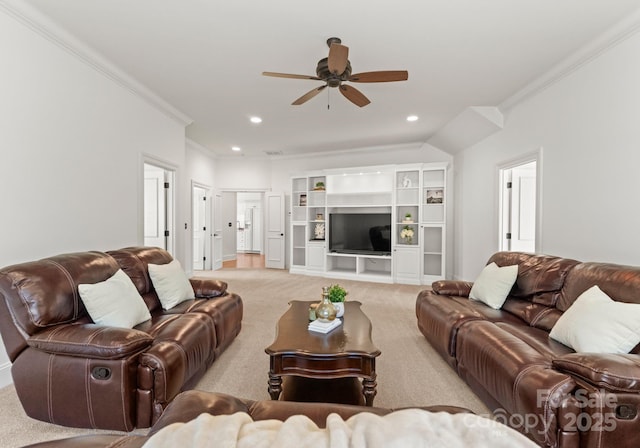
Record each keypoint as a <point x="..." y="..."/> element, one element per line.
<point x="595" y="323"/>
<point x="114" y="302"/>
<point x="493" y="284"/>
<point x="171" y="283"/>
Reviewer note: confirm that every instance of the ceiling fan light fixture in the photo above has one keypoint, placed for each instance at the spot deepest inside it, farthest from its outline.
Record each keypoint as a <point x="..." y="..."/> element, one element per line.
<point x="411" y="118"/>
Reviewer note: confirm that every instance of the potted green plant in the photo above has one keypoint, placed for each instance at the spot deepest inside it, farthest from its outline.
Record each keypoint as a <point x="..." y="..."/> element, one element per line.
<point x="319" y="186"/>
<point x="337" y="296"/>
<point x="407" y="217"/>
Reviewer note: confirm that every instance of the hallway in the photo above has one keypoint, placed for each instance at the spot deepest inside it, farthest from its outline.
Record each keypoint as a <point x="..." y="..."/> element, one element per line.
<point x="245" y="261"/>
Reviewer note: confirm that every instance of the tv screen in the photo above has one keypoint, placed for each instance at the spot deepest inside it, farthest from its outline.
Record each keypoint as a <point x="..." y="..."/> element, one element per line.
<point x="360" y="233"/>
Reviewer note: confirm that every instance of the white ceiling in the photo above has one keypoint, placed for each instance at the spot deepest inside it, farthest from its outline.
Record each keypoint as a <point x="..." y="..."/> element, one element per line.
<point x="205" y="57"/>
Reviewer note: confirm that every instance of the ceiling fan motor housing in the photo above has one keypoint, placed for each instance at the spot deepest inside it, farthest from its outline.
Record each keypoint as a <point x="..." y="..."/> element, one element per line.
<point x="322" y="70"/>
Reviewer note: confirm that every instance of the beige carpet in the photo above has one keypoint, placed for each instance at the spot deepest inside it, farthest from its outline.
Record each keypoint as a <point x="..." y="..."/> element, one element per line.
<point x="409" y="371"/>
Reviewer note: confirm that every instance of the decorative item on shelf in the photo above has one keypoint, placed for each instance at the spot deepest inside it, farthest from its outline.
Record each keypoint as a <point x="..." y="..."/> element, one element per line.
<point x="406" y="182"/>
<point x="318" y="231"/>
<point x="434" y="196"/>
<point x="325" y="311"/>
<point x="407" y="218"/>
<point x="406" y="234"/>
<point x="337" y="296"/>
<point x="319" y="217"/>
<point x="303" y="200"/>
<point x="319" y="186"/>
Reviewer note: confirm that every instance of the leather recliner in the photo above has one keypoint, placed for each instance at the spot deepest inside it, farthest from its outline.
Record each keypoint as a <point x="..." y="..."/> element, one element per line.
<point x="539" y="386"/>
<point x="69" y="371"/>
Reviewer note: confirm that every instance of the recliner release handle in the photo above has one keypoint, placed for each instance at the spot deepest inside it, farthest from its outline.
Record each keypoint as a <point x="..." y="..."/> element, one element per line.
<point x="101" y="373"/>
<point x="626" y="412"/>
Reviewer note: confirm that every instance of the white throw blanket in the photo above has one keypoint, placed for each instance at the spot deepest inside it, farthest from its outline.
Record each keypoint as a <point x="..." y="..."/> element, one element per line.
<point x="402" y="429"/>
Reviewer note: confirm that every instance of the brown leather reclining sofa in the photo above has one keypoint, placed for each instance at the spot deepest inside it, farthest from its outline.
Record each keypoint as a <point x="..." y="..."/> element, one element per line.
<point x="188" y="405"/>
<point x="69" y="371"/>
<point x="535" y="384"/>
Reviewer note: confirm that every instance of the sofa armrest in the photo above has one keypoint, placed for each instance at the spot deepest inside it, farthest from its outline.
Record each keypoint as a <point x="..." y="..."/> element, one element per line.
<point x="452" y="288"/>
<point x="208" y="288"/>
<point x="612" y="372"/>
<point x="90" y="341"/>
<point x="189" y="404"/>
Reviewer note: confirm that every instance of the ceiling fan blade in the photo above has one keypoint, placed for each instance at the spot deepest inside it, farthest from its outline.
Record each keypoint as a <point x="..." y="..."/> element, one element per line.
<point x="338" y="58"/>
<point x="288" y="75"/>
<point x="307" y="96"/>
<point x="381" y="76"/>
<point x="354" y="95"/>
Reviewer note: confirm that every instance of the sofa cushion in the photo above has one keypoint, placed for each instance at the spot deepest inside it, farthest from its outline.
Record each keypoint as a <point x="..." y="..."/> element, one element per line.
<point x="597" y="324"/>
<point x="45" y="293"/>
<point x="540" y="277"/>
<point x="114" y="302"/>
<point x="619" y="282"/>
<point x="493" y="284"/>
<point x="171" y="283"/>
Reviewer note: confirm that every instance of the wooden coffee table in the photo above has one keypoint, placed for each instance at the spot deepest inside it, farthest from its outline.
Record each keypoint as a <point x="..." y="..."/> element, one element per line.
<point x="346" y="352"/>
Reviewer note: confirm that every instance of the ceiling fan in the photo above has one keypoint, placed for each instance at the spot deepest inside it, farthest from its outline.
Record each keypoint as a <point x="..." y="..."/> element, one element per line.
<point x="335" y="70"/>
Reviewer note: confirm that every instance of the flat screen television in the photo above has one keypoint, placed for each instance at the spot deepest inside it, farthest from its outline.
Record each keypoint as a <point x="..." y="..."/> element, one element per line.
<point x="360" y="233"/>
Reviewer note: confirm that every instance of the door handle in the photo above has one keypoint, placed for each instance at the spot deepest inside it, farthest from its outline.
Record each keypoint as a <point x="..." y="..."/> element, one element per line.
<point x="282" y="234"/>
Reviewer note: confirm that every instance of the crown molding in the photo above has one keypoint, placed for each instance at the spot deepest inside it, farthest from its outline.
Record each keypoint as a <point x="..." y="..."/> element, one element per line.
<point x="620" y="32"/>
<point x="45" y="27"/>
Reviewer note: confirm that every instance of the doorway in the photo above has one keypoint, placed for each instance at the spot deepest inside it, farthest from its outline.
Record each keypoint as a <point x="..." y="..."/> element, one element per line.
<point x="158" y="206"/>
<point x="249" y="228"/>
<point x="519" y="205"/>
<point x="201" y="227"/>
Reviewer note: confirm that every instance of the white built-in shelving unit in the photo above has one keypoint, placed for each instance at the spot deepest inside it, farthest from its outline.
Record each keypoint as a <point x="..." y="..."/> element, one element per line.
<point x="413" y="195"/>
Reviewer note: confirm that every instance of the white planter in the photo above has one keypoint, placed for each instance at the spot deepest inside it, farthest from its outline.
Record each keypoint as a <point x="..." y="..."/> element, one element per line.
<point x="339" y="306"/>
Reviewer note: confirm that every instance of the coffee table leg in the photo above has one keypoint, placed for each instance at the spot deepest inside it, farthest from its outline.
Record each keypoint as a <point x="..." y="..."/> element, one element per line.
<point x="275" y="386"/>
<point x="369" y="389"/>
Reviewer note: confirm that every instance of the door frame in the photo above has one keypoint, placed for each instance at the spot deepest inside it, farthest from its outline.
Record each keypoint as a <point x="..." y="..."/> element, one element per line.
<point x="208" y="251"/>
<point x="172" y="171"/>
<point x="534" y="156"/>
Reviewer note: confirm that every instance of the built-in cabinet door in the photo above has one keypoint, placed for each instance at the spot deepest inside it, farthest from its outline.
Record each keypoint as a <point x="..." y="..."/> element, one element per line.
<point x="316" y="254"/>
<point x="406" y="265"/>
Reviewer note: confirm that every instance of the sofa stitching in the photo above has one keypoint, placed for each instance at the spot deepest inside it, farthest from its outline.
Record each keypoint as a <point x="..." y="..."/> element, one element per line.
<point x="87" y="385"/>
<point x="540" y="315"/>
<point x="123" y="397"/>
<point x="49" y="391"/>
<point x="74" y="287"/>
<point x="547" y="406"/>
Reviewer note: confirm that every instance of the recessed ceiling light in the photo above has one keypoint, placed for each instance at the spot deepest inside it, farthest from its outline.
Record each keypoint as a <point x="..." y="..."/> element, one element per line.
<point x="255" y="120"/>
<point x="412" y="118"/>
<point x="235" y="148"/>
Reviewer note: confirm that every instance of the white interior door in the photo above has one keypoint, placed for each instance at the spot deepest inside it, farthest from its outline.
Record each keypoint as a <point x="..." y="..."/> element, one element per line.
<point x="518" y="216"/>
<point x="275" y="231"/>
<point x="201" y="247"/>
<point x="217" y="231"/>
<point x="158" y="207"/>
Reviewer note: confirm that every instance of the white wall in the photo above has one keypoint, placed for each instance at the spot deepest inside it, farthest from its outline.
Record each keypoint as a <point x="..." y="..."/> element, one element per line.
<point x="72" y="144"/>
<point x="587" y="125"/>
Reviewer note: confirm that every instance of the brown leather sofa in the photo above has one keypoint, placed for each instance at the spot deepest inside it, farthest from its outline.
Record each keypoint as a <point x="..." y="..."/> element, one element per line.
<point x="535" y="384"/>
<point x="188" y="405"/>
<point x="71" y="372"/>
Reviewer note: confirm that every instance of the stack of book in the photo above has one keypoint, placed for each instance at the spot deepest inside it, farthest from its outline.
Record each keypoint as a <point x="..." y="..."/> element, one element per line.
<point x="324" y="327"/>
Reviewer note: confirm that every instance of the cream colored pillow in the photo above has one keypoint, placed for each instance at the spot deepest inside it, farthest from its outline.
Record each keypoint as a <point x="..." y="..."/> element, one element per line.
<point x="114" y="302"/>
<point x="493" y="284"/>
<point x="595" y="323"/>
<point x="171" y="283"/>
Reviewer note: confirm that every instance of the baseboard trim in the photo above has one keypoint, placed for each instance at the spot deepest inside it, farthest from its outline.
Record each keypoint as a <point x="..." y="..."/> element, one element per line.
<point x="5" y="374"/>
